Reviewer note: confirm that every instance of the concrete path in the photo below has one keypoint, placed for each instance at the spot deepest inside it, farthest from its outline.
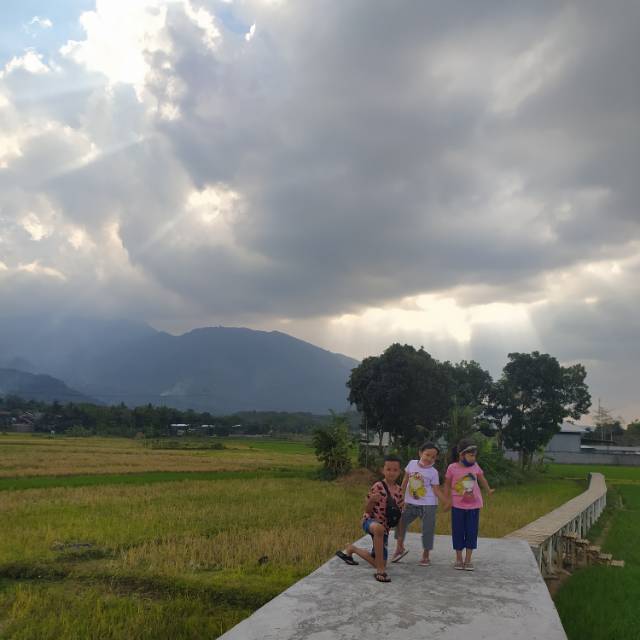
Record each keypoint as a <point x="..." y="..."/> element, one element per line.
<point x="505" y="598"/>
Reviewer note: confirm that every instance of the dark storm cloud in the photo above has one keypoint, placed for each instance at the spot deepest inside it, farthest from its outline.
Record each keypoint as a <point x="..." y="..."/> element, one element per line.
<point x="365" y="178"/>
<point x="363" y="153"/>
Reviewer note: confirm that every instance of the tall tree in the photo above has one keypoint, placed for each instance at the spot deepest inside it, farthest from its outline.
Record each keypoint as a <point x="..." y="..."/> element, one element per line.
<point x="471" y="383"/>
<point x="532" y="398"/>
<point x="471" y="386"/>
<point x="400" y="389"/>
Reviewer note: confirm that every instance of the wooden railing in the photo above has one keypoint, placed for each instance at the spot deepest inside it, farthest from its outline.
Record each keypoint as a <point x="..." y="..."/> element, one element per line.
<point x="554" y="536"/>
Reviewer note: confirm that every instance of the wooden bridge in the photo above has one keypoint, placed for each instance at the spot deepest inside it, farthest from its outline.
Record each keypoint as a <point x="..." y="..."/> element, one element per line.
<point x="559" y="537"/>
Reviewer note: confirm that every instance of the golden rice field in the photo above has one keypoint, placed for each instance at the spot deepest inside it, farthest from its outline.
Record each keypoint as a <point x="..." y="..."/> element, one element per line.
<point x="24" y="456"/>
<point x="184" y="558"/>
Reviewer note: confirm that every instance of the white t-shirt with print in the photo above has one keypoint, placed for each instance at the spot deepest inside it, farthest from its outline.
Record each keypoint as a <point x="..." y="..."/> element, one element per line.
<point x="419" y="489"/>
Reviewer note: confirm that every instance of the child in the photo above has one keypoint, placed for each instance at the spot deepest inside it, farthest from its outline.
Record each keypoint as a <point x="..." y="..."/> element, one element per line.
<point x="374" y="520"/>
<point x="461" y="482"/>
<point x="421" y="491"/>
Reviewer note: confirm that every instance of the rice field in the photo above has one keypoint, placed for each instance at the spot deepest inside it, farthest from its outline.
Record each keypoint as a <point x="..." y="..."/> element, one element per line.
<point x="601" y="603"/>
<point x="188" y="557"/>
<point x="28" y="456"/>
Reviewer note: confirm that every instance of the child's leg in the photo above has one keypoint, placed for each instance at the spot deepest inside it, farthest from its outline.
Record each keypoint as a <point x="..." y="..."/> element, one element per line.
<point x="408" y="516"/>
<point x="472" y="522"/>
<point x="428" y="529"/>
<point x="377" y="531"/>
<point x="350" y="549"/>
<point x="457" y="533"/>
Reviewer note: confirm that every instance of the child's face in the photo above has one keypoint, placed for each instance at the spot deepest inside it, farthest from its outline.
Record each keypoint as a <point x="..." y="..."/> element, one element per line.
<point x="428" y="457"/>
<point x="470" y="456"/>
<point x="391" y="471"/>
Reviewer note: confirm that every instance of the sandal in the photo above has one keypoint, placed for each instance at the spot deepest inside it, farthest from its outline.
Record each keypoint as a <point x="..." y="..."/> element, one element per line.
<point x="347" y="558"/>
<point x="398" y="556"/>
<point x="382" y="577"/>
<point x="425" y="562"/>
<point x="468" y="566"/>
<point x="459" y="566"/>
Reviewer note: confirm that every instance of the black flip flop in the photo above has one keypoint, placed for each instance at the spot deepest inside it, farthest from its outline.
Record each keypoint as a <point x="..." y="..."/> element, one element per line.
<point x="348" y="559"/>
<point x="381" y="577"/>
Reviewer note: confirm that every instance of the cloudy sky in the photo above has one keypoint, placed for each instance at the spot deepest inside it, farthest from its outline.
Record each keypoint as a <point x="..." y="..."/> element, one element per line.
<point x="459" y="175"/>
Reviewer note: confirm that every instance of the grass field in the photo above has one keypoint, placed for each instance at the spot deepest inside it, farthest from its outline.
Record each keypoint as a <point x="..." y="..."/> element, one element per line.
<point x="27" y="456"/>
<point x="601" y="603"/>
<point x="180" y="547"/>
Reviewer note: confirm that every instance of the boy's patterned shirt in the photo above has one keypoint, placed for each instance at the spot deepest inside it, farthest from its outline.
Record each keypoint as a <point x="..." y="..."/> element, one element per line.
<point x="379" y="511"/>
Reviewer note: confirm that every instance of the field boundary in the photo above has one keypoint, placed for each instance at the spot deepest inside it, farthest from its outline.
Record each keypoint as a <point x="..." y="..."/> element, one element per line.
<point x="145" y="477"/>
<point x="547" y="536"/>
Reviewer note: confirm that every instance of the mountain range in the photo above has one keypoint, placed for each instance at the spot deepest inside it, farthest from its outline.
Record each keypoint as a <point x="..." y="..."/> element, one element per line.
<point x="38" y="387"/>
<point x="216" y="369"/>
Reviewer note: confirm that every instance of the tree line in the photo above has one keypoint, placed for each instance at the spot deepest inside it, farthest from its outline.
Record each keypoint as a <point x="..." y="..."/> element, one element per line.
<point x="410" y="395"/>
<point x="152" y="421"/>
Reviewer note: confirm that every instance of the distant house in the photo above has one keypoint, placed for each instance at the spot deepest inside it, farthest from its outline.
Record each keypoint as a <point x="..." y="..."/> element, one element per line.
<point x="567" y="440"/>
<point x="178" y="428"/>
<point x="374" y="439"/>
<point x="25" y="422"/>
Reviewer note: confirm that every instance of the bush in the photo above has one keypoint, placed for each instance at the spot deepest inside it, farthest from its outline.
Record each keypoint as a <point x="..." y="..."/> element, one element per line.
<point x="496" y="467"/>
<point x="333" y="448"/>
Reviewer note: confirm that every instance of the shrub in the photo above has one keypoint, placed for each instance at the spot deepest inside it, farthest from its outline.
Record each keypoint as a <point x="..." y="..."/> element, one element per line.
<point x="333" y="446"/>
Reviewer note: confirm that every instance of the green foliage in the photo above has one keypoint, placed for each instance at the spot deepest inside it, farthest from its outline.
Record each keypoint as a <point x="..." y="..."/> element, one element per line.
<point x="499" y="470"/>
<point x="532" y="398"/>
<point x="462" y="423"/>
<point x="400" y="389"/>
<point x="471" y="384"/>
<point x="154" y="422"/>
<point x="333" y="446"/>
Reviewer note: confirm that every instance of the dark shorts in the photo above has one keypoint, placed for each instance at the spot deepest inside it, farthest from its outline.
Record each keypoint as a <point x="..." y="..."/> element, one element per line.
<point x="365" y="527"/>
<point x="464" y="528"/>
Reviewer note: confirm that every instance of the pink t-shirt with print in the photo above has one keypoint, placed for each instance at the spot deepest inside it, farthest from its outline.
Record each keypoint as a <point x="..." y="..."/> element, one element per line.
<point x="465" y="491"/>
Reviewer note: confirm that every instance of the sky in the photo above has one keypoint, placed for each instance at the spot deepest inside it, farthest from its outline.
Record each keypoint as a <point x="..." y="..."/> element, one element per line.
<point x="461" y="176"/>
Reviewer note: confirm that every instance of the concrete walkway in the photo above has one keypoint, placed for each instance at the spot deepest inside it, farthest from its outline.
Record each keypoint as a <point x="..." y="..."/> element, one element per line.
<point x="505" y="598"/>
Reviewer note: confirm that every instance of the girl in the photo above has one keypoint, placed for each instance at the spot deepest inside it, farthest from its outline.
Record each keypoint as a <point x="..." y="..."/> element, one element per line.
<point x="421" y="490"/>
<point x="461" y="483"/>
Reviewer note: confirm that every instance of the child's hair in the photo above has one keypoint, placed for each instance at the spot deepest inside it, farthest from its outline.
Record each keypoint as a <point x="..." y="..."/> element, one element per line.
<point x="461" y="446"/>
<point x="428" y="445"/>
<point x="392" y="459"/>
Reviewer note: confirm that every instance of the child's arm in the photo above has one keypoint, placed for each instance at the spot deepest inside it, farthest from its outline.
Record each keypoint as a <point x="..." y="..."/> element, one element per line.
<point x="403" y="486"/>
<point x="447" y="489"/>
<point x="372" y="501"/>
<point x="485" y="485"/>
<point x="440" y="493"/>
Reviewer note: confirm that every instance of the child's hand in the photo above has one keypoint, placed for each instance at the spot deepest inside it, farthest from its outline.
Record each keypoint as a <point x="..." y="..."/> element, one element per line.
<point x="490" y="492"/>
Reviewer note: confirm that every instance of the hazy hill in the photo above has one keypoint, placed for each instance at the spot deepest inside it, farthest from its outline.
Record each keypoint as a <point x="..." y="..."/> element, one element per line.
<point x="218" y="369"/>
<point x="38" y="387"/>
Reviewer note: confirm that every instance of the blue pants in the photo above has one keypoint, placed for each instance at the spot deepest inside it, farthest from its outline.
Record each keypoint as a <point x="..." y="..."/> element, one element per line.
<point x="464" y="528"/>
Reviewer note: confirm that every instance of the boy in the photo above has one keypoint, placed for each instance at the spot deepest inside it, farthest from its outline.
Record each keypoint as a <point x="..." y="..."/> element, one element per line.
<point x="421" y="490"/>
<point x="374" y="520"/>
